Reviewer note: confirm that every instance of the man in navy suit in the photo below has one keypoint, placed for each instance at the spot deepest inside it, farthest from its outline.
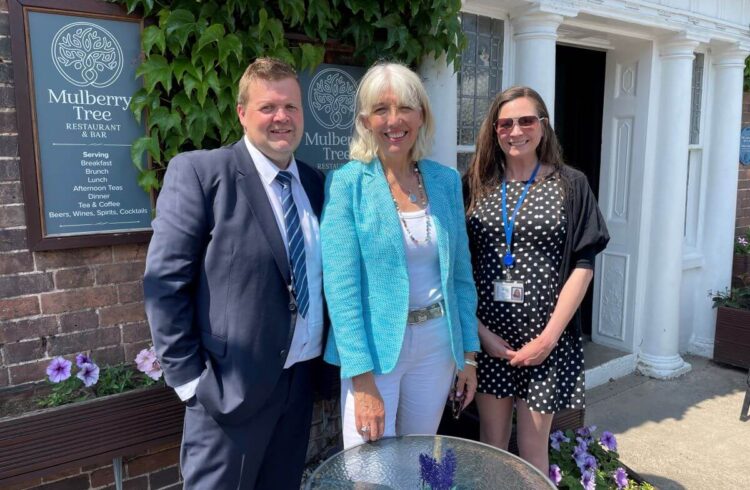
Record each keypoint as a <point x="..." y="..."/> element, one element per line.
<point x="233" y="292"/>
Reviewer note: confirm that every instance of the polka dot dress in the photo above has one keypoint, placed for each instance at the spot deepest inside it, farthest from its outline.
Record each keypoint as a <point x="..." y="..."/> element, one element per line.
<point x="538" y="242"/>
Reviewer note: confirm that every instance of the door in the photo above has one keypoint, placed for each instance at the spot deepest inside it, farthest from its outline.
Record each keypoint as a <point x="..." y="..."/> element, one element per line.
<point x="579" y="99"/>
<point x="626" y="94"/>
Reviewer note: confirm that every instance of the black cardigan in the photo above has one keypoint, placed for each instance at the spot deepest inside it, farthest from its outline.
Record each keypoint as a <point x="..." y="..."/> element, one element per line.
<point x="586" y="233"/>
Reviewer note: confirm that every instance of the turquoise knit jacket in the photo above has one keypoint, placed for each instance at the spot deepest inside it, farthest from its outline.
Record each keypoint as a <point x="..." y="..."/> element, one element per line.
<point x="364" y="266"/>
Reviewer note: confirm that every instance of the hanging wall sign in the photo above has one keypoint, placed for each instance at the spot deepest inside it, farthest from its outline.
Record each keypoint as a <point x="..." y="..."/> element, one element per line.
<point x="745" y="146"/>
<point x="75" y="77"/>
<point x="328" y="95"/>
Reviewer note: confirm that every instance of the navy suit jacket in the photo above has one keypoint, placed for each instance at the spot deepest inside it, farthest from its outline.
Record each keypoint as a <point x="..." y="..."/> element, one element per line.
<point x="217" y="280"/>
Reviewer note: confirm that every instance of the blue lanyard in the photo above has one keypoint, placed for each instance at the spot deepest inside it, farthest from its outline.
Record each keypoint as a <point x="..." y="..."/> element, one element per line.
<point x="508" y="225"/>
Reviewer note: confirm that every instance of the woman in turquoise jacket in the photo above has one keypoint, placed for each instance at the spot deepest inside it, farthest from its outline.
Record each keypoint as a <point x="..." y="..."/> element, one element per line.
<point x="396" y="267"/>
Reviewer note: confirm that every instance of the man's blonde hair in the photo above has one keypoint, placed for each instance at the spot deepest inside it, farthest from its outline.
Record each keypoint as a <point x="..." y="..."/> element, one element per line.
<point x="268" y="69"/>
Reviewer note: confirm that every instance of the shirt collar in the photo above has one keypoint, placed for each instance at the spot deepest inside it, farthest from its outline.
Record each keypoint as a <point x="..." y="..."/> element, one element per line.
<point x="265" y="167"/>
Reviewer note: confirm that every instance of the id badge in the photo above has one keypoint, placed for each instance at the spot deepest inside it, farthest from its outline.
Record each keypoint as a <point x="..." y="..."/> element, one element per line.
<point x="509" y="291"/>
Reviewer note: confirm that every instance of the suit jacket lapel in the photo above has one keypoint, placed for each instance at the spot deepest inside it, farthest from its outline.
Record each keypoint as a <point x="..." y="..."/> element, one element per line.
<point x="440" y="199"/>
<point x="249" y="182"/>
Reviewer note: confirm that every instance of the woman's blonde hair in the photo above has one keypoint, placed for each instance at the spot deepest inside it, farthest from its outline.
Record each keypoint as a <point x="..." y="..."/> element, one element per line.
<point x="408" y="89"/>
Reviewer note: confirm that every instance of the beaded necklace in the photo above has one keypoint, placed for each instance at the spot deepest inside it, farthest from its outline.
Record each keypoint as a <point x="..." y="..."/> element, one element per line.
<point x="413" y="198"/>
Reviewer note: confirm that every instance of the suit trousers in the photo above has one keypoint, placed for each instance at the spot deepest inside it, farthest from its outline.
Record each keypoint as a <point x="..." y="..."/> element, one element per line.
<point x="415" y="392"/>
<point x="267" y="451"/>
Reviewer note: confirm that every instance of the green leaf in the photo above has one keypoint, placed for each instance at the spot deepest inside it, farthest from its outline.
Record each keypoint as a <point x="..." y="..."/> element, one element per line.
<point x="151" y="36"/>
<point x="190" y="83"/>
<point x="155" y="70"/>
<point x="141" y="145"/>
<point x="179" y="25"/>
<point x="211" y="35"/>
<point x="180" y="102"/>
<point x="182" y="65"/>
<point x="230" y="44"/>
<point x="293" y="11"/>
<point x="212" y="81"/>
<point x="164" y="120"/>
<point x="262" y="21"/>
<point x="276" y="28"/>
<point x="310" y="56"/>
<point x="148" y="181"/>
<point x="207" y="57"/>
<point x="140" y="101"/>
<point x="197" y="127"/>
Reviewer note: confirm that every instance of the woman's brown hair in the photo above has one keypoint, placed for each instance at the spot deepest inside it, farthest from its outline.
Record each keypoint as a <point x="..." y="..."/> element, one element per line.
<point x="487" y="167"/>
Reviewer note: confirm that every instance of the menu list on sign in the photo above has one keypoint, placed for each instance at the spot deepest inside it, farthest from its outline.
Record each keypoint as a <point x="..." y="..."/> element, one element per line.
<point x="85" y="127"/>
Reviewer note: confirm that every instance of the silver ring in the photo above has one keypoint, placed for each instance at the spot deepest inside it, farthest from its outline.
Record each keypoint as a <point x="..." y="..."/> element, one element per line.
<point x="364" y="428"/>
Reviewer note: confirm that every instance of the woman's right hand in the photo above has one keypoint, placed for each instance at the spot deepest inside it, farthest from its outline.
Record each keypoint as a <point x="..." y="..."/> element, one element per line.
<point x="494" y="345"/>
<point x="369" y="409"/>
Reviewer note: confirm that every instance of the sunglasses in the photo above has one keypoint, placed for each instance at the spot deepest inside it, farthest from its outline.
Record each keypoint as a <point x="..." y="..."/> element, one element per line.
<point x="524" y="122"/>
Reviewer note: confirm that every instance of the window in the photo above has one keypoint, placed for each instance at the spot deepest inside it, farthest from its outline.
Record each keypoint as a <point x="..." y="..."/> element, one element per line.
<point x="691" y="230"/>
<point x="695" y="100"/>
<point x="479" y="80"/>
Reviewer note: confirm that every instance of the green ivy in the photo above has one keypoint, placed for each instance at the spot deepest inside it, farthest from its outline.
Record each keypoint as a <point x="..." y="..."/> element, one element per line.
<point x="195" y="53"/>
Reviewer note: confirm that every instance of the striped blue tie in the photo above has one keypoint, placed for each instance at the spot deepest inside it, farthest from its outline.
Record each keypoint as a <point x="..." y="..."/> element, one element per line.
<point x="295" y="241"/>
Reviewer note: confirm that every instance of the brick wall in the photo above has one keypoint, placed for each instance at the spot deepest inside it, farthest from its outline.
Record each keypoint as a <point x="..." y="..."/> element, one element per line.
<point x="65" y="302"/>
<point x="743" y="187"/>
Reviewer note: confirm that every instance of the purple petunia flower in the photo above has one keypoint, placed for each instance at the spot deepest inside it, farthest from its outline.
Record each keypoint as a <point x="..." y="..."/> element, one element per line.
<point x="588" y="481"/>
<point x="82" y="359"/>
<point x="556" y="438"/>
<point x="608" y="440"/>
<point x="586" y="433"/>
<point x="742" y="241"/>
<point x="148" y="363"/>
<point x="145" y="359"/>
<point x="580" y="455"/>
<point x="555" y="474"/>
<point x="583" y="442"/>
<point x="589" y="463"/>
<point x="621" y="478"/>
<point x="59" y="369"/>
<point x="89" y="374"/>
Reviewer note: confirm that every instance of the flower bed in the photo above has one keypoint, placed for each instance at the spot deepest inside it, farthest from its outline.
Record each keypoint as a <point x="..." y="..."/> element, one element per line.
<point x="93" y="416"/>
<point x="580" y="461"/>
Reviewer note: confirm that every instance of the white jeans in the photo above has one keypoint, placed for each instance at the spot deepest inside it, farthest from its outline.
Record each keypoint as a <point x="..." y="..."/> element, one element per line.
<point x="414" y="393"/>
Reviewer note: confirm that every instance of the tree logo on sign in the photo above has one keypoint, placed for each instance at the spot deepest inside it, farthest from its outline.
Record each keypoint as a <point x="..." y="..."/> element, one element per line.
<point x="331" y="98"/>
<point x="87" y="54"/>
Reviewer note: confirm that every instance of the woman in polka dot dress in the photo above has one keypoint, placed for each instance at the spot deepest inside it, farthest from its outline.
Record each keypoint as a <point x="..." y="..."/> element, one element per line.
<point x="534" y="231"/>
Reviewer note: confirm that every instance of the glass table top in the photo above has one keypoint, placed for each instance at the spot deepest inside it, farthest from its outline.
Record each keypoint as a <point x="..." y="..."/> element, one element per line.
<point x="393" y="463"/>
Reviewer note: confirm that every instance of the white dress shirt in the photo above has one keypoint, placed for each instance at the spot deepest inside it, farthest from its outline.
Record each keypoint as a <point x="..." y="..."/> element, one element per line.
<point x="307" y="342"/>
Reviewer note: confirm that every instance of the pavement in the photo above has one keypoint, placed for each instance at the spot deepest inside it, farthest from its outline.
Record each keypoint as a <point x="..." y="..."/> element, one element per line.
<point x="683" y="433"/>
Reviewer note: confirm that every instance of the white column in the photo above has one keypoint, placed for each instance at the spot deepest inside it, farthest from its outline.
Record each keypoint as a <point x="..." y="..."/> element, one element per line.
<point x="721" y="188"/>
<point x="535" y="40"/>
<point x="441" y="83"/>
<point x="659" y="356"/>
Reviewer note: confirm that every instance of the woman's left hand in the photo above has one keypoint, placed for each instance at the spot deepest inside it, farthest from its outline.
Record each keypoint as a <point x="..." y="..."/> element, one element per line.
<point x="533" y="353"/>
<point x="466" y="382"/>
